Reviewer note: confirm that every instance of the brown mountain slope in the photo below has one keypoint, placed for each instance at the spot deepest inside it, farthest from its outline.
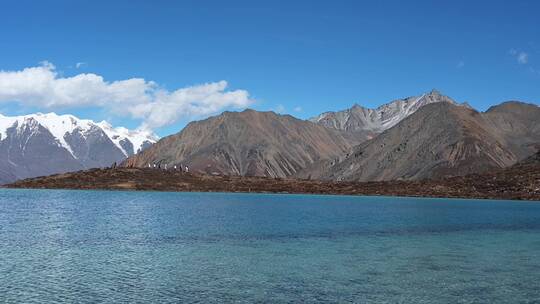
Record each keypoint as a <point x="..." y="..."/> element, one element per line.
<point x="519" y="125"/>
<point x="248" y="143"/>
<point x="440" y="140"/>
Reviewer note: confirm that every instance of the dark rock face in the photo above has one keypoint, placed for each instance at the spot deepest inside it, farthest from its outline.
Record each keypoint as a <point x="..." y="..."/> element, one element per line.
<point x="31" y="150"/>
<point x="92" y="148"/>
<point x="145" y="145"/>
<point x="442" y="140"/>
<point x="127" y="146"/>
<point x="248" y="143"/>
<point x="531" y="160"/>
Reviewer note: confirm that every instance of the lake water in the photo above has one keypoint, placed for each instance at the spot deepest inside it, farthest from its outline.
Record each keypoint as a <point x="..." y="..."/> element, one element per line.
<point x="151" y="247"/>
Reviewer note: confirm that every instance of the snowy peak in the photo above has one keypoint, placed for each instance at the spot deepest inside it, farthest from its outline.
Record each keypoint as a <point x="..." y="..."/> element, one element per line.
<point x="139" y="139"/>
<point x="43" y="144"/>
<point x="359" y="118"/>
<point x="63" y="127"/>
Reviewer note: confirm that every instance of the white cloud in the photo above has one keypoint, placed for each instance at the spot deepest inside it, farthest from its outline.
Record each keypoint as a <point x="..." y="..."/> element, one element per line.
<point x="521" y="57"/>
<point x="298" y="109"/>
<point x="42" y="87"/>
<point x="79" y="65"/>
<point x="280" y="109"/>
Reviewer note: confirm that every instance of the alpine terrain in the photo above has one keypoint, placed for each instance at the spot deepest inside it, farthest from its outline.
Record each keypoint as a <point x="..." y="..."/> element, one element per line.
<point x="430" y="136"/>
<point x="43" y="144"/>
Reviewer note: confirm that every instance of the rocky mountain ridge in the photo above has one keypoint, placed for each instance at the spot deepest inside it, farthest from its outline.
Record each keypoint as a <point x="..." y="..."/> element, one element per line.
<point x="42" y="144"/>
<point x="248" y="143"/>
<point x="359" y="118"/>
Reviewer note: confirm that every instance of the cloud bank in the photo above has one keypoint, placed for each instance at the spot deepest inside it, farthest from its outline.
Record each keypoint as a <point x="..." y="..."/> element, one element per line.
<point x="137" y="98"/>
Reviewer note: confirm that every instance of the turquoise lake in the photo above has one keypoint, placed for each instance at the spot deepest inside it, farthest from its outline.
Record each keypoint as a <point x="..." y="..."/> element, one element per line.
<point x="159" y="247"/>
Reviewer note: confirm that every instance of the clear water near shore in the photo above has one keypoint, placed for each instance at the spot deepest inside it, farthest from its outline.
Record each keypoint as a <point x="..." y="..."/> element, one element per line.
<point x="151" y="247"/>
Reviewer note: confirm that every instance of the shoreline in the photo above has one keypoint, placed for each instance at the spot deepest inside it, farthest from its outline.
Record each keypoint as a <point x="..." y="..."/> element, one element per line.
<point x="506" y="184"/>
<point x="280" y="193"/>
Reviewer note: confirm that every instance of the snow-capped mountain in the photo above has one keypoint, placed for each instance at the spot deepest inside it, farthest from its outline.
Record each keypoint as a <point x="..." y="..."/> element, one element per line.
<point x="377" y="120"/>
<point x="129" y="141"/>
<point x="42" y="144"/>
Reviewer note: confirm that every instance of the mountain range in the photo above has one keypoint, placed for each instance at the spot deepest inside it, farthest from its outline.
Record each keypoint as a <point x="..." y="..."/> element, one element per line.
<point x="429" y="136"/>
<point x="43" y="144"/>
<point x="443" y="139"/>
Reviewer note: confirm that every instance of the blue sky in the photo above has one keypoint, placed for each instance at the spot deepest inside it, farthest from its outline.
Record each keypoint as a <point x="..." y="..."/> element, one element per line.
<point x="298" y="57"/>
